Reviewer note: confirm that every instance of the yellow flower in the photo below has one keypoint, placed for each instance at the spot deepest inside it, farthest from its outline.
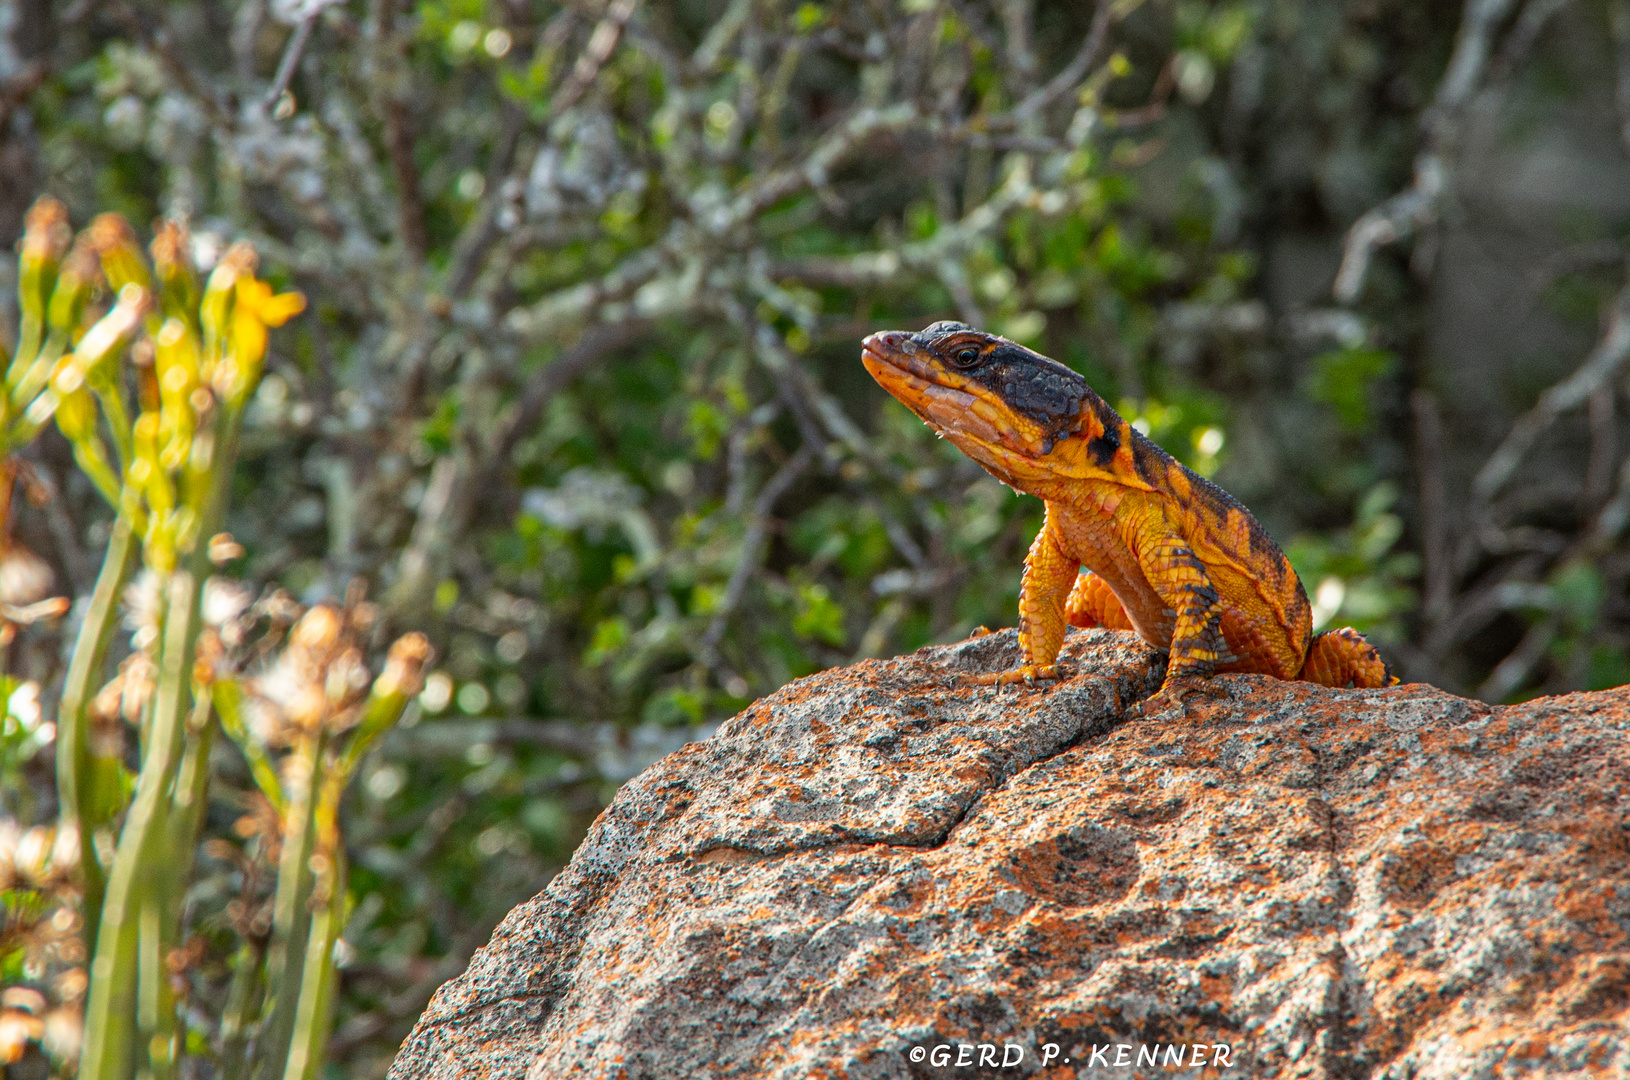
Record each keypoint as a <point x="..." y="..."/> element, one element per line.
<point x="255" y="310"/>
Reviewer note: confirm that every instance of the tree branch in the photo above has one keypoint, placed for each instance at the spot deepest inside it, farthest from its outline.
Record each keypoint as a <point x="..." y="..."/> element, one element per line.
<point x="752" y="550"/>
<point x="1416" y="209"/>
<point x="1603" y="363"/>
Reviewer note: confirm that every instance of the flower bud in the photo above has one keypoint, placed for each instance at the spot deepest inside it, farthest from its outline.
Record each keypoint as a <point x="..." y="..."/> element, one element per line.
<point x="46" y="236"/>
<point x="80" y="276"/>
<point x="177" y="278"/>
<point x="115" y="244"/>
<point x="76" y="411"/>
<point x="238" y="262"/>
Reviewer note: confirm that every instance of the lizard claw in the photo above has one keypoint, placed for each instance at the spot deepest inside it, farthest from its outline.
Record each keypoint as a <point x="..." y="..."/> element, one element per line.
<point x="1028" y="674"/>
<point x="1174" y="694"/>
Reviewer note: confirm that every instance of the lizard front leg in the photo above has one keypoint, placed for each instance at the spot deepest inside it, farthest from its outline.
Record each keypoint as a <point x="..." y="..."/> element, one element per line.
<point x="1180" y="579"/>
<point x="1048" y="575"/>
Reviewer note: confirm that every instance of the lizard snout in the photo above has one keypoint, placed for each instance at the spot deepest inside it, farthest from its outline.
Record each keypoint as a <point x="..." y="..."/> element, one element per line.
<point x="885" y="343"/>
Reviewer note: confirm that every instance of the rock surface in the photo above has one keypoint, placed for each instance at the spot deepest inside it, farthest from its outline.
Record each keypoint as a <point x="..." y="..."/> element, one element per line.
<point x="874" y="862"/>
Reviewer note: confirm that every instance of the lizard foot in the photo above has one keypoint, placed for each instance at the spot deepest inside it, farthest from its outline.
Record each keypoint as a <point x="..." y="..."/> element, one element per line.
<point x="1027" y="674"/>
<point x="1174" y="695"/>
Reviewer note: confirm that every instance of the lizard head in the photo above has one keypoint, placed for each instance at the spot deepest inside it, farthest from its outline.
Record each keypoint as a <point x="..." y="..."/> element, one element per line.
<point x="1000" y="403"/>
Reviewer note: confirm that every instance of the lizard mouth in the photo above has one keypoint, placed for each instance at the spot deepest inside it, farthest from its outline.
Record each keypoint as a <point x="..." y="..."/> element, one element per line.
<point x="949" y="403"/>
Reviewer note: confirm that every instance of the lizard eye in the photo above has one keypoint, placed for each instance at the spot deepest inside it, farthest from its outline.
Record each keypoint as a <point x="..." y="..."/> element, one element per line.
<point x="966" y="357"/>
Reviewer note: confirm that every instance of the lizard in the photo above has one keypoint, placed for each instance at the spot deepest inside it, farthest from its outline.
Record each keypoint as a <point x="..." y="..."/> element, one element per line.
<point x="1131" y="539"/>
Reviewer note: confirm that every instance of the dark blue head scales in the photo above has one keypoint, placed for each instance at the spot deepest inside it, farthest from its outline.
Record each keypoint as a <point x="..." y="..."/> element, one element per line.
<point x="940" y="329"/>
<point x="1042" y="390"/>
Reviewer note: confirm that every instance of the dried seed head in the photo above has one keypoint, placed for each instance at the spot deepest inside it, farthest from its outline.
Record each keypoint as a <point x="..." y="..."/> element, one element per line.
<point x="72" y="984"/>
<point x="22" y="997"/>
<point x="209" y="658"/>
<point x="32" y="859"/>
<point x="18" y="1027"/>
<point x="37" y="612"/>
<point x="404" y="666"/>
<point x="65" y="851"/>
<point x="170" y="249"/>
<point x="346" y="678"/>
<point x="240" y="260"/>
<point x="304" y="709"/>
<point x="110" y="231"/>
<point x="10" y="833"/>
<point x="140" y="681"/>
<point x="25" y="578"/>
<point x="64" y="1031"/>
<point x="280" y="607"/>
<point x="222" y="548"/>
<point x="363" y="617"/>
<point x="142" y="603"/>
<point x="105" y="705"/>
<point x="318" y="631"/>
<point x="224" y="599"/>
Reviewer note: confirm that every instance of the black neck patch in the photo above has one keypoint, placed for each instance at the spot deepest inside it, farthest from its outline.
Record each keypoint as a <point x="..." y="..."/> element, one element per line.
<point x="1041" y="390"/>
<point x="1104" y="446"/>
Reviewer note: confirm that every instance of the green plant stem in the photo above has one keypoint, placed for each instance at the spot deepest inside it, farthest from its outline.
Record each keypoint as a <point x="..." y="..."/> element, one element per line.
<point x="228" y="697"/>
<point x="314" y="1011"/>
<point x="30" y="334"/>
<point x="291" y="910"/>
<point x="73" y="749"/>
<point x="242" y="1004"/>
<point x="28" y="381"/>
<point x="93" y="463"/>
<point x="108" y="1052"/>
<point x="113" y="403"/>
<point x="155" y="1007"/>
<point x="191" y="791"/>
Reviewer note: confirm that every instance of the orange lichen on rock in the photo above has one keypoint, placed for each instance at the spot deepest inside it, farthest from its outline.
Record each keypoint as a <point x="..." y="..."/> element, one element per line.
<point x="881" y="860"/>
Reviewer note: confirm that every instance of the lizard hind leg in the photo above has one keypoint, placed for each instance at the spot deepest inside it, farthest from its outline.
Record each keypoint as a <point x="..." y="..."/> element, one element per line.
<point x="1092" y="603"/>
<point x="1343" y="658"/>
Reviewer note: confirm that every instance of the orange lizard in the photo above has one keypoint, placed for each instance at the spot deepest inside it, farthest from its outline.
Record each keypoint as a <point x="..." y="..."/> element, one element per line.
<point x="1165" y="552"/>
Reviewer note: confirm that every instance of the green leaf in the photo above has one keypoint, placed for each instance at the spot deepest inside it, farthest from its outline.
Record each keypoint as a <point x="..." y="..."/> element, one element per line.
<point x="1343" y="379"/>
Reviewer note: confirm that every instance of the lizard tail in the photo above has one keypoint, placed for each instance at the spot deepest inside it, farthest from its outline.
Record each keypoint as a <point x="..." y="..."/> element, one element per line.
<point x="1343" y="658"/>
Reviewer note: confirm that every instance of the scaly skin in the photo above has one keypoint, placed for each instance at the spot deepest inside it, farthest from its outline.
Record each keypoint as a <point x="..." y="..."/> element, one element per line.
<point x="1166" y="553"/>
